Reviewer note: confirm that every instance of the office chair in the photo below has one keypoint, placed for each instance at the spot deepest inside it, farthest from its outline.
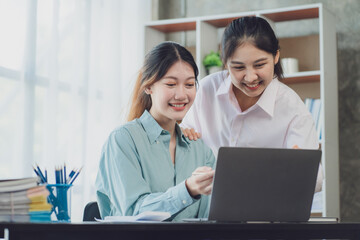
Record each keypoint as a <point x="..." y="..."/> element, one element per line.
<point x="91" y="211"/>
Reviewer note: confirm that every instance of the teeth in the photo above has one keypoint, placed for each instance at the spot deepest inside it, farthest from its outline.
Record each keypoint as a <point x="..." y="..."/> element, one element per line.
<point x="178" y="105"/>
<point x="254" y="85"/>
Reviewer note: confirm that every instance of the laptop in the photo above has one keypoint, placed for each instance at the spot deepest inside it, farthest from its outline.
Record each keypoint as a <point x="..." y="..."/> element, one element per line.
<point x="263" y="184"/>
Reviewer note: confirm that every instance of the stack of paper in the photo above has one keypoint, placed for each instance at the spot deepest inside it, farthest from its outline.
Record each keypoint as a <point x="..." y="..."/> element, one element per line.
<point x="23" y="200"/>
<point x="142" y="217"/>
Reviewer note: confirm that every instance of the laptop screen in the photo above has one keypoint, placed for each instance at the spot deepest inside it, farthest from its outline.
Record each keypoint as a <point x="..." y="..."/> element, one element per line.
<point x="263" y="184"/>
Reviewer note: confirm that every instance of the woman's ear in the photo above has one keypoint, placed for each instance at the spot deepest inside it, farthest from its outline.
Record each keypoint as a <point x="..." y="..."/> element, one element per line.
<point x="277" y="57"/>
<point x="148" y="90"/>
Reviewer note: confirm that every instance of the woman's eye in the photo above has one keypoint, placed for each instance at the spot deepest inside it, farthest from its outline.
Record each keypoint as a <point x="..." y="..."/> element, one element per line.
<point x="170" y="84"/>
<point x="259" y="65"/>
<point x="238" y="68"/>
<point x="190" y="84"/>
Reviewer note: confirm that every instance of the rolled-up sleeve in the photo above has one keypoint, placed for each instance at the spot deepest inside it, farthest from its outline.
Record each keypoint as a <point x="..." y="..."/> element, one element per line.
<point x="302" y="132"/>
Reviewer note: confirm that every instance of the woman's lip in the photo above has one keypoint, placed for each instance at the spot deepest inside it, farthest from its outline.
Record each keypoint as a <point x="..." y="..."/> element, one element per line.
<point x="177" y="106"/>
<point x="253" y="86"/>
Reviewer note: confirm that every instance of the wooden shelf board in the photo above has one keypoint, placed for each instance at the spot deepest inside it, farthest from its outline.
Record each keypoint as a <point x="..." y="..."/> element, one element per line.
<point x="293" y="15"/>
<point x="175" y="27"/>
<point x="302" y="77"/>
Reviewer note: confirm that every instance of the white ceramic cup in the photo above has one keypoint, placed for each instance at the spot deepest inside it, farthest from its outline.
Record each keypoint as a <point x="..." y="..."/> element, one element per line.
<point x="290" y="65"/>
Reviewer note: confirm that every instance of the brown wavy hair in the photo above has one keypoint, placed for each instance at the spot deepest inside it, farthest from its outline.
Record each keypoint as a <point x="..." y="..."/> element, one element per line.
<point x="157" y="63"/>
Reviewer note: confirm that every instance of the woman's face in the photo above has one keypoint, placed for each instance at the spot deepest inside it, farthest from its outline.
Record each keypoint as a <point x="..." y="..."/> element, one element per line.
<point x="173" y="95"/>
<point x="251" y="70"/>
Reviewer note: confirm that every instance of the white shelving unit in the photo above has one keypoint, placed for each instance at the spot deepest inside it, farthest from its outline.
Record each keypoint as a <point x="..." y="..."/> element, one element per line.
<point x="317" y="65"/>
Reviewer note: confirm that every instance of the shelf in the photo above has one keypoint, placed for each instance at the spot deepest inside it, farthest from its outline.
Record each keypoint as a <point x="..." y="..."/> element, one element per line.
<point x="172" y="26"/>
<point x="302" y="77"/>
<point x="318" y="68"/>
<point x="293" y="15"/>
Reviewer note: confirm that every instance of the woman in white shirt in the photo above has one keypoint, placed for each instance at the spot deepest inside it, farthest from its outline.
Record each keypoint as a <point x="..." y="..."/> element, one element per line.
<point x="247" y="105"/>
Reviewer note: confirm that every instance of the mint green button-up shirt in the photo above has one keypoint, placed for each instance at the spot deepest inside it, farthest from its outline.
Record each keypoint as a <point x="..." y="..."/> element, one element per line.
<point x="136" y="173"/>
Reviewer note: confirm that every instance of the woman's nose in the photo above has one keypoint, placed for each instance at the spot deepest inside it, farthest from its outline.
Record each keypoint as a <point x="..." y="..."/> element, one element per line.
<point x="180" y="93"/>
<point x="250" y="75"/>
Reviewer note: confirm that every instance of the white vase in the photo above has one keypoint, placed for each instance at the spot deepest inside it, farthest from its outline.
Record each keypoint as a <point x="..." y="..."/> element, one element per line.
<point x="214" y="69"/>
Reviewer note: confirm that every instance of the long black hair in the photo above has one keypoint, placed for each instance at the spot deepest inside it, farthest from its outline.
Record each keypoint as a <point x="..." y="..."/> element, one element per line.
<point x="157" y="63"/>
<point x="250" y="29"/>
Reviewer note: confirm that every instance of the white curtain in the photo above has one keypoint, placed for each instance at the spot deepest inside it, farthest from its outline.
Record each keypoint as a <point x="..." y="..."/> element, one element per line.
<point x="66" y="72"/>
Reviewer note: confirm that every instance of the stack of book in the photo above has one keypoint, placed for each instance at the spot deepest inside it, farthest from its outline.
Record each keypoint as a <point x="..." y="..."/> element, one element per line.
<point x="315" y="108"/>
<point x="23" y="200"/>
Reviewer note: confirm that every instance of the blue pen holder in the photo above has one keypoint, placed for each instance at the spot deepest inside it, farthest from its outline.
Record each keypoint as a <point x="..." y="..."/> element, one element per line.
<point x="60" y="198"/>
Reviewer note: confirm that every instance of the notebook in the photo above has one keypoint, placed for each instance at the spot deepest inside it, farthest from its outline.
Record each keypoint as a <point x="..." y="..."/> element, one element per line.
<point x="263" y="184"/>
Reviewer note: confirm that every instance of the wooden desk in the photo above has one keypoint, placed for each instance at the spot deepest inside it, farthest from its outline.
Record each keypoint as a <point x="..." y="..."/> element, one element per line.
<point x="101" y="231"/>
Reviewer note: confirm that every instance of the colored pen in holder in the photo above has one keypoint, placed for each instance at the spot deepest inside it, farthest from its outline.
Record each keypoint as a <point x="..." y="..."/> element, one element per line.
<point x="60" y="198"/>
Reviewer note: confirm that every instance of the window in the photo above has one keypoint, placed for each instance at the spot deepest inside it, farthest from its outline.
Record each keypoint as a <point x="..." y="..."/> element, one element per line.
<point x="64" y="84"/>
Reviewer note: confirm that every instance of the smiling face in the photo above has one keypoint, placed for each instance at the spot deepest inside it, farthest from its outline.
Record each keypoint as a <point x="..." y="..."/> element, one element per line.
<point x="173" y="94"/>
<point x="251" y="71"/>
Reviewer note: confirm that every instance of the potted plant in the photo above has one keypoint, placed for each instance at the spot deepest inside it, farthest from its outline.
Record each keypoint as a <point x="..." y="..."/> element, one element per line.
<point x="212" y="62"/>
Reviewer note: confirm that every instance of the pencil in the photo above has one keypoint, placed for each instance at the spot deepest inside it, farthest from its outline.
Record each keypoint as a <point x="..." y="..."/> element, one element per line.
<point x="75" y="176"/>
<point x="65" y="173"/>
<point x="40" y="173"/>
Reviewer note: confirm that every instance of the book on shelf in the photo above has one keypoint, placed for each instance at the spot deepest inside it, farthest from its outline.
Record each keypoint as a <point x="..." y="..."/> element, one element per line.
<point x="315" y="108"/>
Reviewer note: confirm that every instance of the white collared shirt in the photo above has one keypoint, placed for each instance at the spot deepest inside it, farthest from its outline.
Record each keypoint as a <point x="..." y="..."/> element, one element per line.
<point x="278" y="120"/>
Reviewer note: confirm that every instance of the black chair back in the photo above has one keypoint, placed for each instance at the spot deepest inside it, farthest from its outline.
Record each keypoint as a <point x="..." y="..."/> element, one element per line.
<point x="91" y="212"/>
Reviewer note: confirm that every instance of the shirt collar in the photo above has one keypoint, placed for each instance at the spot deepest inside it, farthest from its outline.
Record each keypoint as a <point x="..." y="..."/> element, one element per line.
<point x="225" y="86"/>
<point x="268" y="98"/>
<point x="154" y="130"/>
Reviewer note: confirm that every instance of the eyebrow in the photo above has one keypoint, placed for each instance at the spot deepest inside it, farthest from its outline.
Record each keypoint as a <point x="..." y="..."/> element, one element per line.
<point x="175" y="78"/>
<point x="259" y="60"/>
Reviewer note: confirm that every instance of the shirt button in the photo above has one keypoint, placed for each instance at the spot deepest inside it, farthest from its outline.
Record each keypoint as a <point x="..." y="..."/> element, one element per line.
<point x="184" y="201"/>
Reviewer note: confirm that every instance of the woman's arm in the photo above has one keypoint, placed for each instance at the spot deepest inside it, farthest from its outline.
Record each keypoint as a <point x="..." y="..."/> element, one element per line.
<point x="122" y="176"/>
<point x="302" y="134"/>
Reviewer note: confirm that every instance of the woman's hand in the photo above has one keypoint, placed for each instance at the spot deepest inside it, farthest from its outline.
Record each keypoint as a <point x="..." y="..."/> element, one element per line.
<point x="190" y="133"/>
<point x="200" y="181"/>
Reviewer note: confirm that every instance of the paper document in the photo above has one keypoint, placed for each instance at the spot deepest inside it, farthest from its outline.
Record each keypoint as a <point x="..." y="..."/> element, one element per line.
<point x="142" y="217"/>
<point x="323" y="219"/>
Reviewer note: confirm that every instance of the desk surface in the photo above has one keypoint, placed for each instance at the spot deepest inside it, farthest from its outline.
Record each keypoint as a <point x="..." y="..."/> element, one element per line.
<point x="201" y="230"/>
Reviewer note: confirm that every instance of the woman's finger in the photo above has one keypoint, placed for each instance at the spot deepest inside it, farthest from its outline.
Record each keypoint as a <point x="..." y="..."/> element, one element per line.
<point x="193" y="134"/>
<point x="184" y="131"/>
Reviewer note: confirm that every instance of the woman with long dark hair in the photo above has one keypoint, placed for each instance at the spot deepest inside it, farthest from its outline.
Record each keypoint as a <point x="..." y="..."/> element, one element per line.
<point x="247" y="105"/>
<point x="148" y="164"/>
